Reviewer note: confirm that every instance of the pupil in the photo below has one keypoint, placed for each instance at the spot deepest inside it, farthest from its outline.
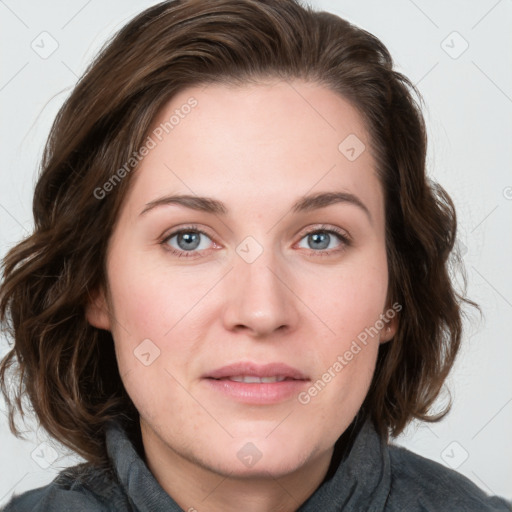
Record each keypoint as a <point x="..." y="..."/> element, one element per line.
<point x="322" y="239"/>
<point x="190" y="240"/>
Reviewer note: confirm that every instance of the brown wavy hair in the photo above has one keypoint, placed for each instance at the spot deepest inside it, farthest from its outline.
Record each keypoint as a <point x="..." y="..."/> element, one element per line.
<point x="67" y="368"/>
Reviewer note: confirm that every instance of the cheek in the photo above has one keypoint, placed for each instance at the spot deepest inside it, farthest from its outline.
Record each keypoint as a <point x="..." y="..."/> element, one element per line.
<point x="156" y="314"/>
<point x="351" y="305"/>
<point x="148" y="299"/>
<point x="336" y="394"/>
<point x="145" y="309"/>
<point x="354" y="298"/>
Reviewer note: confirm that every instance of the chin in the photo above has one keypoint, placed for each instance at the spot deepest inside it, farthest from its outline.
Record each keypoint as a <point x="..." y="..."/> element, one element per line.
<point x="281" y="465"/>
<point x="253" y="457"/>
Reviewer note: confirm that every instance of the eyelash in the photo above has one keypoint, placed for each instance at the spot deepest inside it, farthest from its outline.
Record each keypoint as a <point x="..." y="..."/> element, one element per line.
<point x="344" y="239"/>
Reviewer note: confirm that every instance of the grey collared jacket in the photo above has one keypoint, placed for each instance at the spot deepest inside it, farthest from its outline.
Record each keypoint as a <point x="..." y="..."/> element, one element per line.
<point x="374" y="476"/>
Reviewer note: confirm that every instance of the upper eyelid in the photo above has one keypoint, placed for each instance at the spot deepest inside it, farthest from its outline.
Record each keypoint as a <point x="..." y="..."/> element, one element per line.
<point x="324" y="227"/>
<point x="173" y="232"/>
<point x="341" y="233"/>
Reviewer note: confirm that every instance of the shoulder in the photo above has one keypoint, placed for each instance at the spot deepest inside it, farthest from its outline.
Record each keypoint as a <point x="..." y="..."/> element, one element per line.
<point x="81" y="488"/>
<point x="421" y="484"/>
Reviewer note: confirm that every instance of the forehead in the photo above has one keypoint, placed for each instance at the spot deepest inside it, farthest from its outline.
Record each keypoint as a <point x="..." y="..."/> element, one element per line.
<point x="256" y="144"/>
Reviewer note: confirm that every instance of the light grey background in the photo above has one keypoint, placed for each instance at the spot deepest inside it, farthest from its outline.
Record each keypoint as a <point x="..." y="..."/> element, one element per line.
<point x="468" y="93"/>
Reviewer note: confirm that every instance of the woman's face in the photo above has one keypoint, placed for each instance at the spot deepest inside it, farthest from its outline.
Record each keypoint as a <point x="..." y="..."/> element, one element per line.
<point x="256" y="275"/>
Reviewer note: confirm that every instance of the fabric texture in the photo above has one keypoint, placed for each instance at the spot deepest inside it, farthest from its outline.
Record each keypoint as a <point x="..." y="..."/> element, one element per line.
<point x="373" y="476"/>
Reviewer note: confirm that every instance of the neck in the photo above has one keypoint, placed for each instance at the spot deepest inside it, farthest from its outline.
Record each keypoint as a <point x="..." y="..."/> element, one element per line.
<point x="196" y="487"/>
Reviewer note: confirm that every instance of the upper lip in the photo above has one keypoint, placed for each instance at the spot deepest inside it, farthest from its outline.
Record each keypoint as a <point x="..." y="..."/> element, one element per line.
<point x="256" y="370"/>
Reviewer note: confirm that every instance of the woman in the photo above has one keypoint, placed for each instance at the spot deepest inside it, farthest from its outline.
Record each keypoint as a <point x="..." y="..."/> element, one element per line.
<point x="237" y="287"/>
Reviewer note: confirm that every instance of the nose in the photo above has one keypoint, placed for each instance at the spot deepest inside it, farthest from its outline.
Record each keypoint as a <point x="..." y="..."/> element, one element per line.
<point x="259" y="297"/>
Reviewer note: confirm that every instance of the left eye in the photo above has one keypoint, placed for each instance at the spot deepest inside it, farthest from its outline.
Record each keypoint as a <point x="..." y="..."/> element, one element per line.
<point x="321" y="240"/>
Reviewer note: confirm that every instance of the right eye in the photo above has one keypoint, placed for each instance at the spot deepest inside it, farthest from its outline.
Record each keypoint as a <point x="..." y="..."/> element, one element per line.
<point x="187" y="242"/>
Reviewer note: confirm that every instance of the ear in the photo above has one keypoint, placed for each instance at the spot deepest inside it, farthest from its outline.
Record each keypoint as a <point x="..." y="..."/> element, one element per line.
<point x="390" y="328"/>
<point x="96" y="311"/>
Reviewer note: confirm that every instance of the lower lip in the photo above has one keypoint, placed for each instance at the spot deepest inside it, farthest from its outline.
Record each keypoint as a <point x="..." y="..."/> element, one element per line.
<point x="254" y="393"/>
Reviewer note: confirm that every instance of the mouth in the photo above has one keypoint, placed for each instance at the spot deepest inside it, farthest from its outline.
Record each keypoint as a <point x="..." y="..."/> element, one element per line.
<point x="247" y="371"/>
<point x="251" y="383"/>
<point x="253" y="379"/>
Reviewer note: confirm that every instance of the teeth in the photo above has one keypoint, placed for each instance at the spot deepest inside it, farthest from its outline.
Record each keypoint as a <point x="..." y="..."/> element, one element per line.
<point x="249" y="379"/>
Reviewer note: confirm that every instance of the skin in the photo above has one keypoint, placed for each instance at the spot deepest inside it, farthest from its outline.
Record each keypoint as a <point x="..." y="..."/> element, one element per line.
<point x="258" y="149"/>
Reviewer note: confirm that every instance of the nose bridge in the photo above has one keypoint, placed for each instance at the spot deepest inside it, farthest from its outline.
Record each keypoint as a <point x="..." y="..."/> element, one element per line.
<point x="257" y="297"/>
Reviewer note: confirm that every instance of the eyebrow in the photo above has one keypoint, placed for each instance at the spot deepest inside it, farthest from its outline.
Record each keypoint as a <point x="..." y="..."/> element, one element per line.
<point x="304" y="204"/>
